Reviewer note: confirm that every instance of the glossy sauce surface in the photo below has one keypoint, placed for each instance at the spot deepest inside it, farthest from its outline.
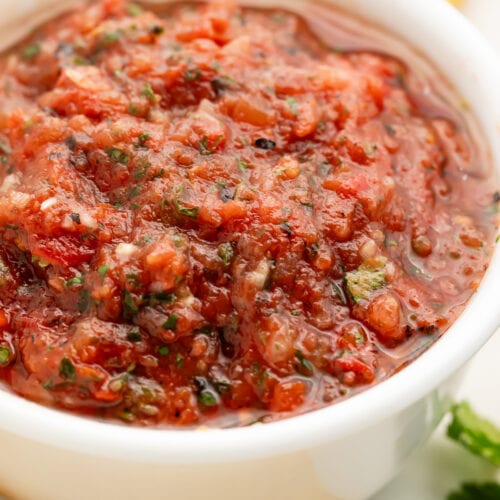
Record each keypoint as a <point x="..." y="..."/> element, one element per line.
<point x="210" y="215"/>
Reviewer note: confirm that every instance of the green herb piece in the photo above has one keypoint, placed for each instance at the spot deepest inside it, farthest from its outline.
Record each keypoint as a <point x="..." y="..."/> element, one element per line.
<point x="142" y="139"/>
<point x="117" y="155"/>
<point x="102" y="270"/>
<point x="473" y="491"/>
<point x="179" y="360"/>
<point x="205" y="148"/>
<point x="340" y="292"/>
<point x="4" y="355"/>
<point x="148" y="93"/>
<point x="32" y="50"/>
<point x="164" y="350"/>
<point x="67" y="370"/>
<point x="134" y="335"/>
<point x="364" y="281"/>
<point x="242" y="165"/>
<point x="84" y="301"/>
<point x="305" y="367"/>
<point x="134" y="10"/>
<point x="133" y="191"/>
<point x="295" y="312"/>
<point x="207" y="398"/>
<point x="171" y="322"/>
<point x="187" y="211"/>
<point x="111" y="38"/>
<point x="475" y="433"/>
<point x="192" y="74"/>
<point x="133" y="109"/>
<point x="225" y="252"/>
<point x="292" y="103"/>
<point x="129" y="303"/>
<point x="75" y="280"/>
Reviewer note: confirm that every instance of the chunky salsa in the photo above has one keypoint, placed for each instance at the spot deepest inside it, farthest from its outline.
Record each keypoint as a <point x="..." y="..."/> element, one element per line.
<point x="211" y="215"/>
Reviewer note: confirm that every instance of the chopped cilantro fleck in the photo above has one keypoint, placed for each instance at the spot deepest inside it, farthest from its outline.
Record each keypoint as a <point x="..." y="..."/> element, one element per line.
<point x="187" y="211"/>
<point x="117" y="155"/>
<point x="363" y="281"/>
<point x="32" y="50"/>
<point x="292" y="103"/>
<point x="128" y="303"/>
<point x="163" y="350"/>
<point x="148" y="92"/>
<point x="4" y="355"/>
<point x="171" y="322"/>
<point x="179" y="360"/>
<point x="102" y="270"/>
<point x="67" y="370"/>
<point x="225" y="252"/>
<point x="75" y="280"/>
<point x="207" y="398"/>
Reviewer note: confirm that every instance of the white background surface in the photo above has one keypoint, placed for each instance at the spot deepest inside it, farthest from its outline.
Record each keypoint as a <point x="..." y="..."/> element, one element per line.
<point x="441" y="466"/>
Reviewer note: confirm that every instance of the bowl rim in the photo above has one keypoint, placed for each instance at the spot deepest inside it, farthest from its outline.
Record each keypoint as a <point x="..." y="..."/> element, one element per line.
<point x="85" y="435"/>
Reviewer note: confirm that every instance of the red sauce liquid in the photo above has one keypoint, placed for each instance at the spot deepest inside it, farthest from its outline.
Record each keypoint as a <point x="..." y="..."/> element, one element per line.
<point x="209" y="215"/>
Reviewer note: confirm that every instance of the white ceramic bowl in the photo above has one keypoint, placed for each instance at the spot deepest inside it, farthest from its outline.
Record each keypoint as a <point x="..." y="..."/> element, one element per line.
<point x="348" y="450"/>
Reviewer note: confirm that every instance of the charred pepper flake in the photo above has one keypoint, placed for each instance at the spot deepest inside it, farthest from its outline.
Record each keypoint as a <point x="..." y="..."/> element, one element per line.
<point x="220" y="84"/>
<point x="134" y="335"/>
<point x="75" y="218"/>
<point x="157" y="30"/>
<point x="67" y="370"/>
<point x="83" y="301"/>
<point x="70" y="141"/>
<point x="496" y="197"/>
<point x="285" y="227"/>
<point x="266" y="144"/>
<point x="171" y="323"/>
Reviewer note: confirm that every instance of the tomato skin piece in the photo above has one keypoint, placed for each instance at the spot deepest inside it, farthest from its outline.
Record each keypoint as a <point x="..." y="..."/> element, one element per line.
<point x="288" y="395"/>
<point x="66" y="250"/>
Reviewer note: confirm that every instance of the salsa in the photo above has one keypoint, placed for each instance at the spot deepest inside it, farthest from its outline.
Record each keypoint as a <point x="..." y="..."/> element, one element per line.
<point x="211" y="215"/>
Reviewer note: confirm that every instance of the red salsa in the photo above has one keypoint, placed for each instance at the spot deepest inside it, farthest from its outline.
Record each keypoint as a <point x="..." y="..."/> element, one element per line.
<point x="212" y="215"/>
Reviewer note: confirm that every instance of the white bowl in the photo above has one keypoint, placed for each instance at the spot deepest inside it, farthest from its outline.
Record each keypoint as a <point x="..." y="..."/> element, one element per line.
<point x="348" y="450"/>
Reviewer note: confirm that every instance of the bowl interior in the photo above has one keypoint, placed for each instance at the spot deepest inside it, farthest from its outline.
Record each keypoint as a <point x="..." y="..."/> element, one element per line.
<point x="462" y="55"/>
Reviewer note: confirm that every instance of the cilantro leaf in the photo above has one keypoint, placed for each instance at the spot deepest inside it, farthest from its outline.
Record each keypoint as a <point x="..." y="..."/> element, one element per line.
<point x="473" y="491"/>
<point x="475" y="433"/>
<point x="363" y="281"/>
